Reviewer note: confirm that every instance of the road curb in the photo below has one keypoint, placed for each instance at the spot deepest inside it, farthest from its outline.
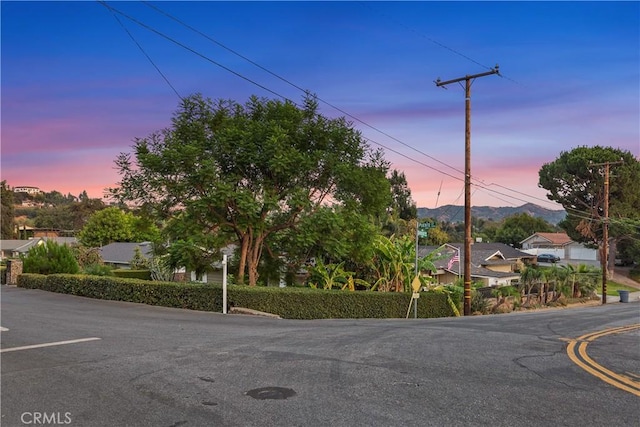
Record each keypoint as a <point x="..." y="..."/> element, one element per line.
<point x="248" y="311"/>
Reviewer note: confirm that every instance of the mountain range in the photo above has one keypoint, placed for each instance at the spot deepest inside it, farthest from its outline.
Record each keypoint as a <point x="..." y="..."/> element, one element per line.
<point x="453" y="213"/>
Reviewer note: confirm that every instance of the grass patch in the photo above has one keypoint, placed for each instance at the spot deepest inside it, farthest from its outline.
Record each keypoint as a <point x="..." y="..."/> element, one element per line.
<point x="614" y="287"/>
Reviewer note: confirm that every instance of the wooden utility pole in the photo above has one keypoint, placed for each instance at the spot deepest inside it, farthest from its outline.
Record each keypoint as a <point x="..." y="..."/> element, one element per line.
<point x="605" y="227"/>
<point x="467" y="179"/>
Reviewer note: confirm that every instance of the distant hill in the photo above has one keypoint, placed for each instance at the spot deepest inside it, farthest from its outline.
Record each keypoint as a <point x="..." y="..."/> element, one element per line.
<point x="453" y="213"/>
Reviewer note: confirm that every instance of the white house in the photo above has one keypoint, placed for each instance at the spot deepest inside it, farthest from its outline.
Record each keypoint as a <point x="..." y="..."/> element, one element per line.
<point x="559" y="244"/>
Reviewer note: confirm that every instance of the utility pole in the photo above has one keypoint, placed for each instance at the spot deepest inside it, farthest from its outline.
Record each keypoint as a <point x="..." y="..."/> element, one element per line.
<point x="467" y="179"/>
<point x="605" y="226"/>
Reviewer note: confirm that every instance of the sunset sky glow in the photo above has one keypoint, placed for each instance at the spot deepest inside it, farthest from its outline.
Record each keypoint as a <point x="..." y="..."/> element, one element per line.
<point x="76" y="89"/>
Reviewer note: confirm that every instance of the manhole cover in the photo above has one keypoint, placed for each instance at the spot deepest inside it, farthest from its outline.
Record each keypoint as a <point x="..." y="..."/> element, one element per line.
<point x="271" y="393"/>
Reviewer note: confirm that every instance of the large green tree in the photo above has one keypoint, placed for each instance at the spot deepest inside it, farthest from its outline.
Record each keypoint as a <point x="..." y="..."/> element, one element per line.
<point x="403" y="203"/>
<point x="7" y="223"/>
<point x="226" y="172"/>
<point x="113" y="225"/>
<point x="515" y="228"/>
<point x="576" y="181"/>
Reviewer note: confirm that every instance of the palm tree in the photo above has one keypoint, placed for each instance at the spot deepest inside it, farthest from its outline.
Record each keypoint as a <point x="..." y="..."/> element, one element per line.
<point x="531" y="276"/>
<point x="583" y="278"/>
<point x="559" y="278"/>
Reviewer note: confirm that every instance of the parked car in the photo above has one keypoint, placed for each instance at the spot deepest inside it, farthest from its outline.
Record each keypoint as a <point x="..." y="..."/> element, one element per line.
<point x="548" y="258"/>
<point x="621" y="262"/>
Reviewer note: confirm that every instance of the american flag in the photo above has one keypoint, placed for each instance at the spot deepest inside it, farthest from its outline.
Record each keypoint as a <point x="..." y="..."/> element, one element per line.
<point x="456" y="258"/>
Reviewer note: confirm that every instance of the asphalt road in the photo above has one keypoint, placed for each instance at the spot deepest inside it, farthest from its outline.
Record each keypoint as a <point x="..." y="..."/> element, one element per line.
<point x="136" y="365"/>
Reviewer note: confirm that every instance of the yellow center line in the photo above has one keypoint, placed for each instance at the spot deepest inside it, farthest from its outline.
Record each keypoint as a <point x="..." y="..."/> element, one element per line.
<point x="591" y="366"/>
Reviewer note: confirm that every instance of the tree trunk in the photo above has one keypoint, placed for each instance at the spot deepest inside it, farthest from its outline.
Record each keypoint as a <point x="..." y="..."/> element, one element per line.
<point x="244" y="249"/>
<point x="255" y="252"/>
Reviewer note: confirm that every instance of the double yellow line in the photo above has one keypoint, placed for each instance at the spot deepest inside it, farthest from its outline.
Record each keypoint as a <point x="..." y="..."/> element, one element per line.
<point x="580" y="357"/>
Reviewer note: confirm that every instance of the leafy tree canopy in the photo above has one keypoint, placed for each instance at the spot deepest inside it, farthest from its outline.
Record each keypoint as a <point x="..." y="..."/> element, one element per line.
<point x="403" y="204"/>
<point x="516" y="228"/>
<point x="576" y="181"/>
<point x="245" y="173"/>
<point x="113" y="225"/>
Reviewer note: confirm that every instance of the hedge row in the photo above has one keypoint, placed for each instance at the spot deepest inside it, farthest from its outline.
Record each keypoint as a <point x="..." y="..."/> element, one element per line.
<point x="290" y="303"/>
<point x="132" y="274"/>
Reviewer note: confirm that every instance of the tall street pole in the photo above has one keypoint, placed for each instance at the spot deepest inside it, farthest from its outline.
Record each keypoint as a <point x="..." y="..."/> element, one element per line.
<point x="467" y="179"/>
<point x="605" y="227"/>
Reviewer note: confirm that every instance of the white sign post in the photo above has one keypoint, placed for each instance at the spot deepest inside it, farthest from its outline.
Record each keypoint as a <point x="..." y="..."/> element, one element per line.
<point x="224" y="284"/>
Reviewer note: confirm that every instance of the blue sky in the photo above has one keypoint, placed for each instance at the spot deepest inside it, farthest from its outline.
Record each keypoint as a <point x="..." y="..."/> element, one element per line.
<point x="76" y="89"/>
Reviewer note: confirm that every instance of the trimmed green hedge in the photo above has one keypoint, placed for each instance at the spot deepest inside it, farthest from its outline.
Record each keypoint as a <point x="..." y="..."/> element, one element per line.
<point x="290" y="303"/>
<point x="132" y="274"/>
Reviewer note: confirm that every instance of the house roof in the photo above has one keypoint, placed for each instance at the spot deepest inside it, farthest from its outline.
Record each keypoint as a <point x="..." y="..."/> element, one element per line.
<point x="123" y="253"/>
<point x="482" y="254"/>
<point x="21" y="246"/>
<point x="560" y="239"/>
<point x="63" y="240"/>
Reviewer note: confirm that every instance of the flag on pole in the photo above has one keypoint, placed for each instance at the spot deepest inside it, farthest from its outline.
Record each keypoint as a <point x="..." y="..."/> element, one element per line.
<point x="456" y="258"/>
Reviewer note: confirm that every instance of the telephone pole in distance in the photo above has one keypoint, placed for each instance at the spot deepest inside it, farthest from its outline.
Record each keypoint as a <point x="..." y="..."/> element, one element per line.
<point x="467" y="179"/>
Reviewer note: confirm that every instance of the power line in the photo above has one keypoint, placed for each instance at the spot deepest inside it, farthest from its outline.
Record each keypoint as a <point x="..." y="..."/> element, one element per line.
<point x="437" y="43"/>
<point x="298" y="87"/>
<point x="285" y="98"/>
<point x="195" y="52"/>
<point x="145" y="53"/>
<point x="282" y="96"/>
<point x="483" y="186"/>
<point x="283" y="79"/>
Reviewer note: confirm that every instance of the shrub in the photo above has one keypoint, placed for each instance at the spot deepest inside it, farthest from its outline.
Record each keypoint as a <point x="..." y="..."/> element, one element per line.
<point x="479" y="304"/>
<point x="98" y="270"/>
<point x="50" y="258"/>
<point x="86" y="256"/>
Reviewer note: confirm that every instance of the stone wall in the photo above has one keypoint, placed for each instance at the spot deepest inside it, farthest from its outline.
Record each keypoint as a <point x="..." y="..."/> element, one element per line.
<point x="14" y="269"/>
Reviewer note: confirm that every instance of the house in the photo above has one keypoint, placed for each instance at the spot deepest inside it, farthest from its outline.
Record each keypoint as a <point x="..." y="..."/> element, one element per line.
<point x="15" y="248"/>
<point x="69" y="241"/>
<point x="120" y="254"/>
<point x="214" y="273"/>
<point x="493" y="264"/>
<point x="27" y="189"/>
<point x="559" y="244"/>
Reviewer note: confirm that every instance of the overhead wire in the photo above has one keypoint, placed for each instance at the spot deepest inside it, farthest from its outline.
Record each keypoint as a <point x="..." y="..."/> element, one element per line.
<point x="290" y="100"/>
<point x="211" y="39"/>
<point x="437" y="43"/>
<point x="149" y="28"/>
<point x="195" y="52"/>
<point x="145" y="54"/>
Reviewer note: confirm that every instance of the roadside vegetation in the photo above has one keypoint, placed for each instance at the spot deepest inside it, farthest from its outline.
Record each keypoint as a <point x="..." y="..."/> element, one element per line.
<point x="303" y="201"/>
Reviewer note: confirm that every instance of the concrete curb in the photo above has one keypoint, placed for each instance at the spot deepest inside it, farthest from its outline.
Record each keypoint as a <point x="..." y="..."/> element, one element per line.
<point x="248" y="311"/>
